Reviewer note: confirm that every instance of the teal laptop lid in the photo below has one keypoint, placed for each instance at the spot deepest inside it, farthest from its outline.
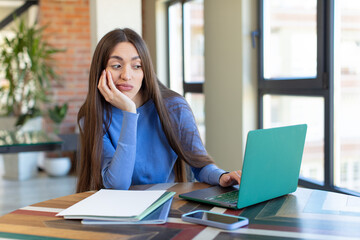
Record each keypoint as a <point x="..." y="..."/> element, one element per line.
<point x="271" y="169"/>
<point x="271" y="164"/>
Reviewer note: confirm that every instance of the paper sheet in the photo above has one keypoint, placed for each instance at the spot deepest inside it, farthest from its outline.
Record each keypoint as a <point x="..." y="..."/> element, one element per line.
<point x="113" y="203"/>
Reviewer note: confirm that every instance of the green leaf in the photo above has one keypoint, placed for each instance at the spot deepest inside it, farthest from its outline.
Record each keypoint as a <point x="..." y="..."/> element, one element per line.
<point x="58" y="113"/>
<point x="25" y="61"/>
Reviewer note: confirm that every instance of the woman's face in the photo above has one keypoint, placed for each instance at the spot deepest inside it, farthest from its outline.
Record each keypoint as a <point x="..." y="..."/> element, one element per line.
<point x="126" y="70"/>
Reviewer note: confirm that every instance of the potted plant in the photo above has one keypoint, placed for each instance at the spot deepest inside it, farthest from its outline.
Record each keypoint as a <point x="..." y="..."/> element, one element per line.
<point x="57" y="115"/>
<point x="55" y="164"/>
<point x="26" y="73"/>
<point x="26" y="67"/>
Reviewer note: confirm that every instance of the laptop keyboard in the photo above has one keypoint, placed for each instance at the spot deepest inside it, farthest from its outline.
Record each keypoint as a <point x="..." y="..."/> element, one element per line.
<point x="229" y="197"/>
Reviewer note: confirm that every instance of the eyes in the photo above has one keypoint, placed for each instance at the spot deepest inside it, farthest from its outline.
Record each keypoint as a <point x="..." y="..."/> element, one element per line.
<point x="119" y="66"/>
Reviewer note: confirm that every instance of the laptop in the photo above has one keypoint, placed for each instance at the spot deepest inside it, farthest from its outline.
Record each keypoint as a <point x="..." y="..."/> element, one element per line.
<point x="270" y="169"/>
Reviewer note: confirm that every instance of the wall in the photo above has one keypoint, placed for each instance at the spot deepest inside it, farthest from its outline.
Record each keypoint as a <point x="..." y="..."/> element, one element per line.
<point x="107" y="15"/>
<point x="154" y="34"/>
<point x="230" y="72"/>
<point x="69" y="28"/>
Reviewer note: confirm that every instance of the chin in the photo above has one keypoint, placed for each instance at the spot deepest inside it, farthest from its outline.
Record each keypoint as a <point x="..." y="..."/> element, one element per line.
<point x="131" y="96"/>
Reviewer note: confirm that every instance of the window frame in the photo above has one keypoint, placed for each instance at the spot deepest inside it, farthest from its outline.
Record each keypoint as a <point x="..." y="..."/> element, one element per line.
<point x="17" y="12"/>
<point x="321" y="86"/>
<point x="188" y="87"/>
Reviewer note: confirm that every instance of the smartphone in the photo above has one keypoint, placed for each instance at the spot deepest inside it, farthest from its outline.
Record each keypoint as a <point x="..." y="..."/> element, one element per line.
<point x="213" y="219"/>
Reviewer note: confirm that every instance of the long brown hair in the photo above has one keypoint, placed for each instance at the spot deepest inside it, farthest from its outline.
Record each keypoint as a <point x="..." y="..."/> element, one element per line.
<point x="91" y="125"/>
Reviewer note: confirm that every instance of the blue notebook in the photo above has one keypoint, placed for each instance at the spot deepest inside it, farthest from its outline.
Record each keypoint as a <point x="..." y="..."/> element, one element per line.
<point x="158" y="216"/>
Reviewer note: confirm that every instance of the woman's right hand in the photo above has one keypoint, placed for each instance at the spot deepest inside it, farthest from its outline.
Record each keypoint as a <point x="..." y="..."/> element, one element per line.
<point x="113" y="95"/>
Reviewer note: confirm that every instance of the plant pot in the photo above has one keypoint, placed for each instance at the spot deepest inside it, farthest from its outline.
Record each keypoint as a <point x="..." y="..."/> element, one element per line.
<point x="20" y="166"/>
<point x="33" y="124"/>
<point x="57" y="167"/>
<point x="24" y="165"/>
<point x="7" y="123"/>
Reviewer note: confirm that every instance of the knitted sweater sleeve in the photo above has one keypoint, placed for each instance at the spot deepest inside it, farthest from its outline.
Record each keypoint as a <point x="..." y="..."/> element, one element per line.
<point x="190" y="139"/>
<point x="118" y="163"/>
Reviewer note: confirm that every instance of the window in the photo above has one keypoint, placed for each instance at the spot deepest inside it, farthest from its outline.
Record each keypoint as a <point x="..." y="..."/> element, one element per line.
<point x="288" y="25"/>
<point x="280" y="110"/>
<point x="186" y="54"/>
<point x="346" y="92"/>
<point x="310" y="73"/>
<point x="10" y="10"/>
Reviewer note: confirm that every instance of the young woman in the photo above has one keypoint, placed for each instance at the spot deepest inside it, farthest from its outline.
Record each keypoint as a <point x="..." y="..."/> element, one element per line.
<point x="134" y="130"/>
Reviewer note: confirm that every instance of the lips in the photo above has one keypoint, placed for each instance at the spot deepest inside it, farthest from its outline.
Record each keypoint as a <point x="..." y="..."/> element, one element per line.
<point x="124" y="87"/>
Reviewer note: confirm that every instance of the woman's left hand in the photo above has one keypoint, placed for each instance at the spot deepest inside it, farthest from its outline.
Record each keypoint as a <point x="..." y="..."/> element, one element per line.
<point x="231" y="178"/>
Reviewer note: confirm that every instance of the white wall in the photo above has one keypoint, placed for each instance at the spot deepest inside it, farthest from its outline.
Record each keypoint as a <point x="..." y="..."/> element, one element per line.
<point x="106" y="15"/>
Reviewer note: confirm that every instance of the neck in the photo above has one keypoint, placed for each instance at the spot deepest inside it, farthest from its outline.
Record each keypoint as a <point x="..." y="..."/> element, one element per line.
<point x="140" y="99"/>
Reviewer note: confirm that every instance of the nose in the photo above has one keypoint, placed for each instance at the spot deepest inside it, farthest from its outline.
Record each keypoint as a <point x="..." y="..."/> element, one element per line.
<point x="126" y="73"/>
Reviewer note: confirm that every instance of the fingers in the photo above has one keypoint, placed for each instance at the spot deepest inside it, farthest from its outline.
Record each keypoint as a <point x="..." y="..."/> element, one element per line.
<point x="102" y="86"/>
<point x="226" y="179"/>
<point x="231" y="178"/>
<point x="238" y="176"/>
<point x="106" y="86"/>
<point x="110" y="81"/>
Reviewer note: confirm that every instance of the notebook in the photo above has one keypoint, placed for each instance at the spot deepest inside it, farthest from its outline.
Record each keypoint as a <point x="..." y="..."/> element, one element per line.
<point x="158" y="216"/>
<point x="270" y="169"/>
<point x="117" y="205"/>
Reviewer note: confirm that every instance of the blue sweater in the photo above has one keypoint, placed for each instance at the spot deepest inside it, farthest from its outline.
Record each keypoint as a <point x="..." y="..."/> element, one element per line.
<point x="136" y="151"/>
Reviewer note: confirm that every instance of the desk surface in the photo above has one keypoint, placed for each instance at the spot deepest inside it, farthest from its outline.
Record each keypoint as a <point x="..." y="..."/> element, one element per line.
<point x="305" y="214"/>
<point x="18" y="141"/>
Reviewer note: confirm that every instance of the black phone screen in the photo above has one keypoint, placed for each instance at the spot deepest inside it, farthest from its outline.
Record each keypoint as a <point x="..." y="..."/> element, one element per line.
<point x="215" y="217"/>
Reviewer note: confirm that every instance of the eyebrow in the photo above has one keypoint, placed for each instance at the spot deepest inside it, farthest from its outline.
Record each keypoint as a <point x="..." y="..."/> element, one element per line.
<point x="121" y="59"/>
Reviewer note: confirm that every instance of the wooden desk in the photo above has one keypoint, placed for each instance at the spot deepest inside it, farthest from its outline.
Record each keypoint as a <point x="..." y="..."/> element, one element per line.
<point x="305" y="214"/>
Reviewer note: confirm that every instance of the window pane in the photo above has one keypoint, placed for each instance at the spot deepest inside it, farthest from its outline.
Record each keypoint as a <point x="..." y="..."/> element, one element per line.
<point x="175" y="48"/>
<point x="289" y="110"/>
<point x="290" y="39"/>
<point x="347" y="94"/>
<point x="197" y="103"/>
<point x="194" y="41"/>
